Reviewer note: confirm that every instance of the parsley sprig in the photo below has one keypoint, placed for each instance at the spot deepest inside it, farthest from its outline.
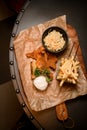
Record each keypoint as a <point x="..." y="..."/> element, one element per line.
<point x="45" y="72"/>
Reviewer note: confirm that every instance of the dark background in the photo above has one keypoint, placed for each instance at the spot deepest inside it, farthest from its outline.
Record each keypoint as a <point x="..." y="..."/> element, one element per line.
<point x="6" y="27"/>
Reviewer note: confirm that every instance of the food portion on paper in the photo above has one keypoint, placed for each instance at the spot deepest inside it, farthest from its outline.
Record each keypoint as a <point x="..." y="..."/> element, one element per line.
<point x="68" y="71"/>
<point x="40" y="71"/>
<point x="55" y="39"/>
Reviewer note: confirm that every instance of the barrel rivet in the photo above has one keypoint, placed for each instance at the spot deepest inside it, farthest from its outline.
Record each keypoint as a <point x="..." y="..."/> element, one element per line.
<point x="22" y="10"/>
<point x="11" y="62"/>
<point x="17" y="21"/>
<point x="11" y="48"/>
<point x="23" y="105"/>
<point x="31" y="117"/>
<point x="13" y="77"/>
<point x="13" y="35"/>
<point x="17" y="91"/>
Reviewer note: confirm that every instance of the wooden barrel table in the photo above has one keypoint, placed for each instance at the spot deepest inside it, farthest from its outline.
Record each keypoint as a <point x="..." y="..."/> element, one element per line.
<point x="33" y="13"/>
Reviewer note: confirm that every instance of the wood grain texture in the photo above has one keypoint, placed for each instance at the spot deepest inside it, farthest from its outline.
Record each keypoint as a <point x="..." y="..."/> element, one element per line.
<point x="61" y="109"/>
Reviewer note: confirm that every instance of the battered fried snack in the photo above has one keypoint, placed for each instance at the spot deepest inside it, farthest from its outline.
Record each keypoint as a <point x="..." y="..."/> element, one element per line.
<point x="68" y="71"/>
<point x="43" y="58"/>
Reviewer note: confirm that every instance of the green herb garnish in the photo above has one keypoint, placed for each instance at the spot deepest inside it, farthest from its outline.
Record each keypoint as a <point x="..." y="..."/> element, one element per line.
<point x="48" y="79"/>
<point x="37" y="72"/>
<point x="45" y="72"/>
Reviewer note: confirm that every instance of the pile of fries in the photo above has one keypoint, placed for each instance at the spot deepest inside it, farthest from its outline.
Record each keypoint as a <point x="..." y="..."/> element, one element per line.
<point x="68" y="71"/>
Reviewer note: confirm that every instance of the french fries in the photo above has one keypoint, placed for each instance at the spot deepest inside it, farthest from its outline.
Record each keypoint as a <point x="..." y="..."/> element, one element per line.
<point x="33" y="67"/>
<point x="68" y="71"/>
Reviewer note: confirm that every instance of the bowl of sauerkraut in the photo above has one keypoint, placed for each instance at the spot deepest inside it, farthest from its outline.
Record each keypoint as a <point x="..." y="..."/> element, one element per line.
<point x="55" y="39"/>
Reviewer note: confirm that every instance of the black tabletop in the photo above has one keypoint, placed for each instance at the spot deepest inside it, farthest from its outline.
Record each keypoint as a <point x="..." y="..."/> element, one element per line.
<point x="35" y="12"/>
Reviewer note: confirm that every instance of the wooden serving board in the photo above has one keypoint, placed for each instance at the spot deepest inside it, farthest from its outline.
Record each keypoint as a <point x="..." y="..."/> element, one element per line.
<point x="29" y="40"/>
<point x="61" y="109"/>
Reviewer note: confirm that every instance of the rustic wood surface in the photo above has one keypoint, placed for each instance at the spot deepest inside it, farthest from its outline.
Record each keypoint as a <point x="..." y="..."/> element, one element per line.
<point x="61" y="109"/>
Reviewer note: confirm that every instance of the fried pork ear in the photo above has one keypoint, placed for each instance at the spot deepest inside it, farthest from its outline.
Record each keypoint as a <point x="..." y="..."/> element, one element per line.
<point x="35" y="54"/>
<point x="51" y="61"/>
<point x="43" y="58"/>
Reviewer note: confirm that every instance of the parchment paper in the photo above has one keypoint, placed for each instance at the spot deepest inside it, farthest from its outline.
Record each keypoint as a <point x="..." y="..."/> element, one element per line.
<point x="27" y="41"/>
